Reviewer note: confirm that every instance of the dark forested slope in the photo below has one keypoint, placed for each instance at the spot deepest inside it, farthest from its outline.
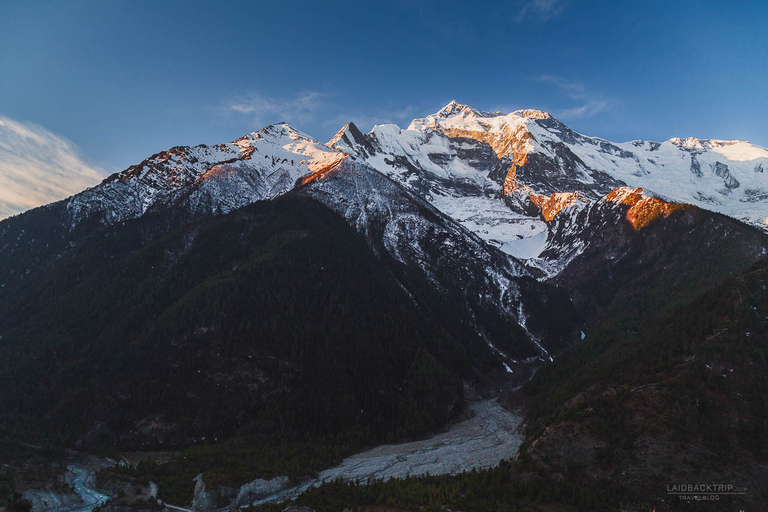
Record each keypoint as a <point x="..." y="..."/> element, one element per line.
<point x="275" y="321"/>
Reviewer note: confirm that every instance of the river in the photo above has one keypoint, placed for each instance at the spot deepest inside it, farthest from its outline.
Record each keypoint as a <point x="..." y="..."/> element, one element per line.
<point x="83" y="482"/>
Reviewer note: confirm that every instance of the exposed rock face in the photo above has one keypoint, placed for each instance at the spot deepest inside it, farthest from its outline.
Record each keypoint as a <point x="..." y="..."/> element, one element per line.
<point x="227" y="497"/>
<point x="351" y="136"/>
<point x="204" y="500"/>
<point x="721" y="170"/>
<point x="261" y="488"/>
<point x="551" y="206"/>
<point x="696" y="167"/>
<point x="643" y="209"/>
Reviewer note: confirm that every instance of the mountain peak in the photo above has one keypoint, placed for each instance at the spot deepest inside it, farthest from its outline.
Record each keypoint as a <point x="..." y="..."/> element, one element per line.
<point x="454" y="109"/>
<point x="351" y="140"/>
<point x="458" y="109"/>
<point x="531" y="113"/>
<point x="281" y="129"/>
<point x="340" y="134"/>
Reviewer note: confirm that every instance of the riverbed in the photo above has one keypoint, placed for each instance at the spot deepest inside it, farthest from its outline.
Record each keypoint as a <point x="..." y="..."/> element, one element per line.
<point x="482" y="441"/>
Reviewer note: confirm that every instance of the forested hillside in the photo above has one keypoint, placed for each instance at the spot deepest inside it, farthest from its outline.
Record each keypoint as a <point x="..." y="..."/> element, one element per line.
<point x="275" y="324"/>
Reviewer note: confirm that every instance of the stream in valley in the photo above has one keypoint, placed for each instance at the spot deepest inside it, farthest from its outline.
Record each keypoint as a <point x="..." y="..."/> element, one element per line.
<point x="83" y="481"/>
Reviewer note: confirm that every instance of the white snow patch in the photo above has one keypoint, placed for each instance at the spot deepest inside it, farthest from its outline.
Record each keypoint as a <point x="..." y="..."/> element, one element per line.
<point x="528" y="247"/>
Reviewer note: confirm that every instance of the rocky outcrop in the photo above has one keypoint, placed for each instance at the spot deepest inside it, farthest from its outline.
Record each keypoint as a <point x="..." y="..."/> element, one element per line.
<point x="46" y="499"/>
<point x="721" y="170"/>
<point x="551" y="206"/>
<point x="696" y="167"/>
<point x="261" y="488"/>
<point x="643" y="209"/>
<point x="206" y="500"/>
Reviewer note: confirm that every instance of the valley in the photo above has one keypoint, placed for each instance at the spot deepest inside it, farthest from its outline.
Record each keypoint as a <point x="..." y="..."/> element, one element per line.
<point x="490" y="435"/>
<point x="270" y="309"/>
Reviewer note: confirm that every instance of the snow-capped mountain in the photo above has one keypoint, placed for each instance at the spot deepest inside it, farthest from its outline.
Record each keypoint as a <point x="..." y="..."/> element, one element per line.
<point x="504" y="175"/>
<point x="208" y="179"/>
<point x="183" y="184"/>
<point x="379" y="277"/>
<point x="517" y="181"/>
<point x="429" y="196"/>
<point x="460" y="175"/>
<point x="427" y="247"/>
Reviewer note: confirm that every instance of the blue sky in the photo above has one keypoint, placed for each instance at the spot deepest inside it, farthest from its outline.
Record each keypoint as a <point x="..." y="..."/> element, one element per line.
<point x="124" y="79"/>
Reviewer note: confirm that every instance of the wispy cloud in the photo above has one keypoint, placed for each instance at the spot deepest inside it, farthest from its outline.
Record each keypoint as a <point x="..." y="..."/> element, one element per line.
<point x="297" y="109"/>
<point x="588" y="103"/>
<point x="540" y="9"/>
<point x="38" y="167"/>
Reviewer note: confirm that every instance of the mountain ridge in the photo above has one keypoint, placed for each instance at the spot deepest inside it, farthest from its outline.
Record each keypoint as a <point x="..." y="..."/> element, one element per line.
<point x="527" y="144"/>
<point x="527" y="127"/>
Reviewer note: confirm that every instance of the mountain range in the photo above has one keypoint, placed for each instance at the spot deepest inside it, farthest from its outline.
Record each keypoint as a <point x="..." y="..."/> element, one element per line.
<point x="312" y="299"/>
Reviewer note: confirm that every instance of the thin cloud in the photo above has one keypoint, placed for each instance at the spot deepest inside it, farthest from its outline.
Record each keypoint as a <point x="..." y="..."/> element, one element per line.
<point x="589" y="103"/>
<point x="540" y="9"/>
<point x="38" y="167"/>
<point x="301" y="108"/>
